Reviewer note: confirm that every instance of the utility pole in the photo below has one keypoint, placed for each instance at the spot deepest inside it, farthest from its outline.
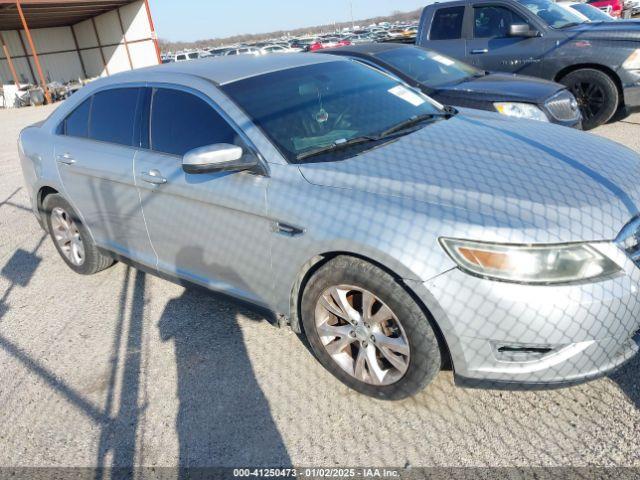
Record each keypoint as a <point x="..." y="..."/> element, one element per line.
<point x="353" y="25"/>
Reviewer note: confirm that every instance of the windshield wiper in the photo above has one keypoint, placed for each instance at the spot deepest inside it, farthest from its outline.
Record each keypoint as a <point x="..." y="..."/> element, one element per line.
<point x="344" y="143"/>
<point x="570" y="24"/>
<point x="337" y="145"/>
<point x="411" y="122"/>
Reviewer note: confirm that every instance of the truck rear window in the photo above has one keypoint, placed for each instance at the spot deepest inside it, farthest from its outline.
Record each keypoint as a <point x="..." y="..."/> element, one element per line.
<point x="447" y="24"/>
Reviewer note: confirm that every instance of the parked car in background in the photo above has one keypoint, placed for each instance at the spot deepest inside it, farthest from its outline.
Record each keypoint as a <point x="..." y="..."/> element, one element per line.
<point x="395" y="235"/>
<point x="587" y="12"/>
<point x="360" y="38"/>
<point x="395" y="33"/>
<point x="278" y="49"/>
<point x="302" y="43"/>
<point x="613" y="8"/>
<point x="243" y="51"/>
<point x="185" y="56"/>
<point x="598" y="61"/>
<point x="329" y="42"/>
<point x="452" y="82"/>
<point x="219" y="52"/>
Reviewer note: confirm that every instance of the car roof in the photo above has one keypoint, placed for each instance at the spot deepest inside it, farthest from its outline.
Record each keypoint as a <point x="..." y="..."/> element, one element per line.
<point x="366" y="48"/>
<point x="228" y="69"/>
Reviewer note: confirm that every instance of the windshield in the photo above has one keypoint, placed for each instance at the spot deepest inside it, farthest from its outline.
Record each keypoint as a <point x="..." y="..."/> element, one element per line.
<point x="553" y="15"/>
<point x="592" y="13"/>
<point x="306" y="108"/>
<point x="427" y="67"/>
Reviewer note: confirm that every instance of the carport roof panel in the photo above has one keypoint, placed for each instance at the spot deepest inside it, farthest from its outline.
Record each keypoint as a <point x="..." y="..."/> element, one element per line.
<point x="53" y="13"/>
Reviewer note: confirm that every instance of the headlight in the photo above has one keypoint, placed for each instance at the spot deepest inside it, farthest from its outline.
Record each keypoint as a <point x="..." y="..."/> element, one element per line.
<point x="535" y="264"/>
<point x="633" y="61"/>
<point x="521" y="110"/>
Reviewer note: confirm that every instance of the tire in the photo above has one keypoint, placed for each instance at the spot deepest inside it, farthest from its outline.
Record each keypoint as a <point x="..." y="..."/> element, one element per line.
<point x="597" y="95"/>
<point x="424" y="358"/>
<point x="92" y="260"/>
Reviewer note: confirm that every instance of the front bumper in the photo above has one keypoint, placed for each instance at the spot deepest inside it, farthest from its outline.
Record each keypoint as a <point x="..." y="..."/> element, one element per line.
<point x="517" y="335"/>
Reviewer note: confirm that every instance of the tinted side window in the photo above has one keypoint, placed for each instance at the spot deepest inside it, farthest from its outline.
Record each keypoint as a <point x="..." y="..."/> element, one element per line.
<point x="77" y="123"/>
<point x="181" y="122"/>
<point x="447" y="24"/>
<point x="493" y="22"/>
<point x="113" y="115"/>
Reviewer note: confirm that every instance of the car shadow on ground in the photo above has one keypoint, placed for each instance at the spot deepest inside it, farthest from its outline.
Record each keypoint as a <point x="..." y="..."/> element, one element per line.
<point x="627" y="380"/>
<point x="224" y="418"/>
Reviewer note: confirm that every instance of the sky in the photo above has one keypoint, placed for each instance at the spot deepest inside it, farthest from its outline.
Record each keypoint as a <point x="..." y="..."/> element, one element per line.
<point x="189" y="20"/>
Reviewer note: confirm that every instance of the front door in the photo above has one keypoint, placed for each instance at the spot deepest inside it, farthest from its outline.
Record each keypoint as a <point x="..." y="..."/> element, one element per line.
<point x="208" y="228"/>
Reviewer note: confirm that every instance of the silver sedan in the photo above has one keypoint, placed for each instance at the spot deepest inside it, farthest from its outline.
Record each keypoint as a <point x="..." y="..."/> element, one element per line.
<point x="399" y="236"/>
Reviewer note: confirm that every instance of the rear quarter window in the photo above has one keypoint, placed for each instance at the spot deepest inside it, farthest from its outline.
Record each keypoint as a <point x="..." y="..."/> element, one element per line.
<point x="77" y="123"/>
<point x="447" y="24"/>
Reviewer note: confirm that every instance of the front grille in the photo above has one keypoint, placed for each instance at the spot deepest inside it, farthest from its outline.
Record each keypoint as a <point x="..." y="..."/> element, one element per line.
<point x="563" y="106"/>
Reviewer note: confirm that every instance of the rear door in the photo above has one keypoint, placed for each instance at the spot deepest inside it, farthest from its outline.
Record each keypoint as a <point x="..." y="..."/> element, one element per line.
<point x="491" y="48"/>
<point x="445" y="33"/>
<point x="94" y="149"/>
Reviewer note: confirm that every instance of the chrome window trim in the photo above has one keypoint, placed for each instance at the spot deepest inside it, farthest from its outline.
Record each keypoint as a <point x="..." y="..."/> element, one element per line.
<point x="172" y="86"/>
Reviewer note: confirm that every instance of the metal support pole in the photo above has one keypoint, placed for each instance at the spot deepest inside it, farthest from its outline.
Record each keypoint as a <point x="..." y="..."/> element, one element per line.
<point x="124" y="39"/>
<point x="104" y="60"/>
<point x="154" y="36"/>
<point x="75" y="42"/>
<point x="5" y="48"/>
<point x="36" y="60"/>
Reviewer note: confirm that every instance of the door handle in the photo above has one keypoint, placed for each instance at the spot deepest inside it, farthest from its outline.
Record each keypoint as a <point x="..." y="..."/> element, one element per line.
<point x="66" y="159"/>
<point x="286" y="229"/>
<point x="153" y="176"/>
<point x="479" y="51"/>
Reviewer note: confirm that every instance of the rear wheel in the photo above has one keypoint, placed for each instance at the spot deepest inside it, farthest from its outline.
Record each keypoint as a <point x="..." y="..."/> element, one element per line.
<point x="71" y="238"/>
<point x="365" y="328"/>
<point x="596" y="93"/>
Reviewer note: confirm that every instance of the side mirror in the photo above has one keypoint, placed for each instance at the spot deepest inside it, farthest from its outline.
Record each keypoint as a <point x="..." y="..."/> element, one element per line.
<point x="521" y="30"/>
<point x="216" y="158"/>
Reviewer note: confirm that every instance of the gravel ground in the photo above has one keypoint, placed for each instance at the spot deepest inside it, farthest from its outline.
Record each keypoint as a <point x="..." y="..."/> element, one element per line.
<point x="124" y="368"/>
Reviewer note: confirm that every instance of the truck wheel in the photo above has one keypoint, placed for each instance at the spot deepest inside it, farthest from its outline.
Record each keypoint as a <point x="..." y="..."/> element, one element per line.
<point x="365" y="328"/>
<point x="71" y="238"/>
<point x="596" y="93"/>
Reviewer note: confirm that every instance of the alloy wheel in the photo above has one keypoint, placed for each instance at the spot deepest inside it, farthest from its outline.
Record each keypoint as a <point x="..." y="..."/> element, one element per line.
<point x="590" y="97"/>
<point x="362" y="335"/>
<point x="67" y="236"/>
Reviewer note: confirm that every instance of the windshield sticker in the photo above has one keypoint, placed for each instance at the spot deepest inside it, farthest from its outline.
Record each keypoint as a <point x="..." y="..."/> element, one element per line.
<point x="407" y="95"/>
<point x="443" y="60"/>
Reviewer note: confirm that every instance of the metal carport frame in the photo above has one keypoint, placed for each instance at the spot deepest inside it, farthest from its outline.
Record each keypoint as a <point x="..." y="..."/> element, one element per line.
<point x="30" y="15"/>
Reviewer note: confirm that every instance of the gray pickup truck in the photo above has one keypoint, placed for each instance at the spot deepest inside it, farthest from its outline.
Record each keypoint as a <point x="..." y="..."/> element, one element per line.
<point x="598" y="61"/>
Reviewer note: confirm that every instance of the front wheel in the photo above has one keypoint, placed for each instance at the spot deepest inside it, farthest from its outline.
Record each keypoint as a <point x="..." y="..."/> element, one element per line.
<point x="596" y="93"/>
<point x="366" y="329"/>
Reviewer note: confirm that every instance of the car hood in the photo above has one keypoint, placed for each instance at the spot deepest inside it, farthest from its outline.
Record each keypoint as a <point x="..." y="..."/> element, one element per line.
<point x="520" y="180"/>
<point x="616" y="30"/>
<point x="503" y="87"/>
